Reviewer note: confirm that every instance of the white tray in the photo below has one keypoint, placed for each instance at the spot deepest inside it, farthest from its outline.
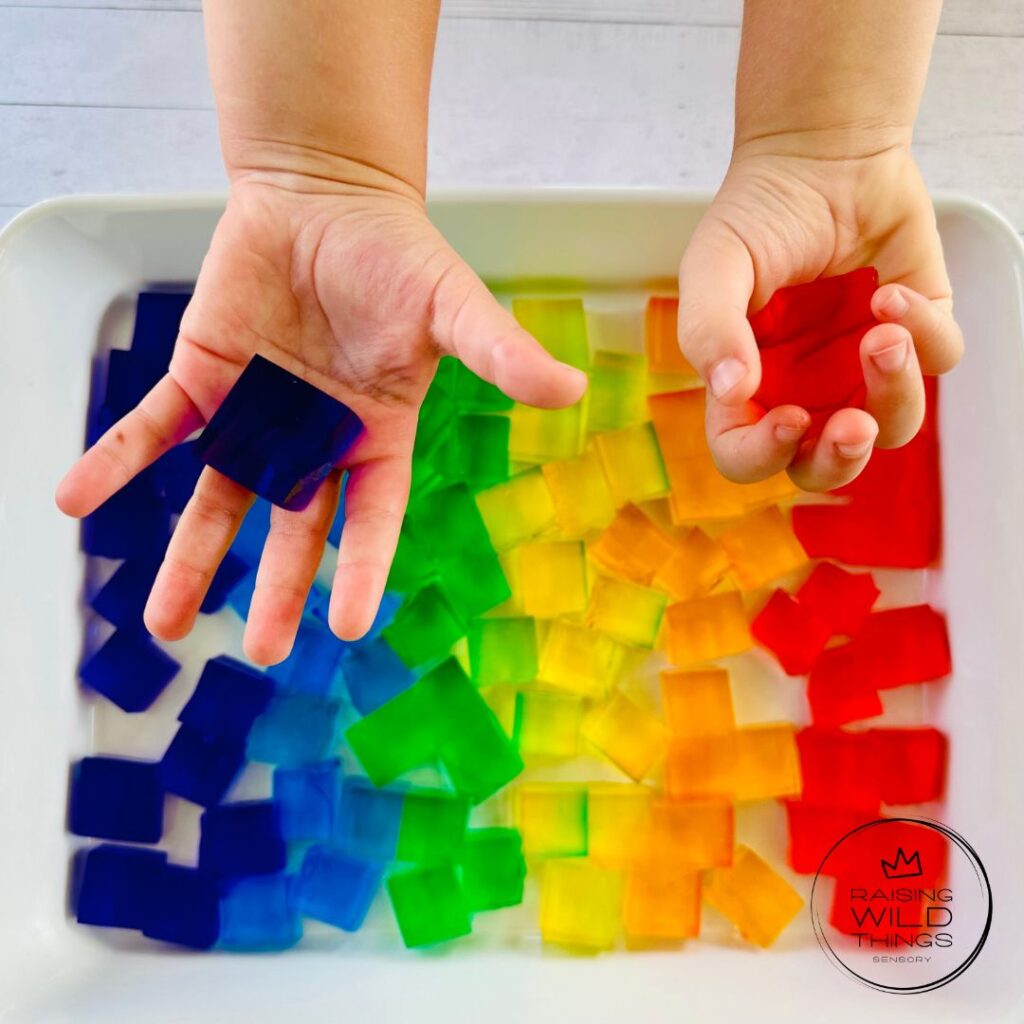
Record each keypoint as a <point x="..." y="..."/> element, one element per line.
<point x="61" y="265"/>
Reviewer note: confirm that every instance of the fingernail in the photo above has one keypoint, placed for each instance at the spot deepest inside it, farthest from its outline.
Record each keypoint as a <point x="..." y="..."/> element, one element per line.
<point x="787" y="433"/>
<point x="725" y="375"/>
<point x="854" y="451"/>
<point x="891" y="359"/>
<point x="895" y="304"/>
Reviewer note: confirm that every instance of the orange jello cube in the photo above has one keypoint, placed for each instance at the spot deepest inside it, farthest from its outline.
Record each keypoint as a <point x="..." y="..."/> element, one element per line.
<point x="632" y="546"/>
<point x="698" y="703"/>
<point x="698" y="833"/>
<point x="706" y="628"/>
<point x="661" y="337"/>
<point x="762" y="547"/>
<point x="695" y="567"/>
<point x="662" y="902"/>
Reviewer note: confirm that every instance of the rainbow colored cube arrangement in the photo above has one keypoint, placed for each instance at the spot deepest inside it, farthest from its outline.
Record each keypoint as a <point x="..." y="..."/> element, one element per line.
<point x="546" y="695"/>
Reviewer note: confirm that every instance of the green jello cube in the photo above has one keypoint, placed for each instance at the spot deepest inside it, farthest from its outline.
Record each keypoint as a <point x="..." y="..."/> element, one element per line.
<point x="483" y="449"/>
<point x="412" y="567"/>
<point x="447" y="523"/>
<point x="433" y="826"/>
<point x="425" y="627"/>
<point x="502" y="651"/>
<point x="473" y="394"/>
<point x="429" y="905"/>
<point x="474" y="584"/>
<point x="560" y="325"/>
<point x="479" y="758"/>
<point x="618" y="391"/>
<point x="493" y="868"/>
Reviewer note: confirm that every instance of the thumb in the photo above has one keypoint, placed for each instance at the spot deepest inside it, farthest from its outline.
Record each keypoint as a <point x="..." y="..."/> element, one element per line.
<point x="469" y="323"/>
<point x="716" y="280"/>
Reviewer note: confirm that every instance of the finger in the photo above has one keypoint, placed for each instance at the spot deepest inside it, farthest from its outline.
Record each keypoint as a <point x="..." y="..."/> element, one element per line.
<point x="375" y="499"/>
<point x="839" y="453"/>
<point x="749" y="444"/>
<point x="204" y="532"/>
<point x="291" y="557"/>
<point x="164" y="418"/>
<point x="471" y="324"/>
<point x="937" y="336"/>
<point x="716" y="280"/>
<point x="895" y="390"/>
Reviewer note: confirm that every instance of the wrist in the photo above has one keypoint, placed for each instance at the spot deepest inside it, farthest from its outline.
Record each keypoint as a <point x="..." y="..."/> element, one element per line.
<point x="820" y="141"/>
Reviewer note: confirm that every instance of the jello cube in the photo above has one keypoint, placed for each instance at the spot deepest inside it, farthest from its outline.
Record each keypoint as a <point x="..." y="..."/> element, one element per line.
<point x="478" y="756"/>
<point x="239" y="597"/>
<point x="432" y="827"/>
<point x="793" y="634"/>
<point x="626" y="611"/>
<point x="706" y="628"/>
<point x="661" y="337"/>
<point x="256" y="915"/>
<point x="278" y="435"/>
<point x="678" y="420"/>
<point x="618" y="391"/>
<point x="492" y="868"/>
<point x="761" y="548"/>
<point x="554" y="577"/>
<point x="369" y="820"/>
<point x="429" y="905"/>
<point x="581" y="904"/>
<point x="123" y="597"/>
<point x="578" y="487"/>
<point x="517" y="510"/>
<point x="484" y="444"/>
<point x="618" y="819"/>
<point x="696" y="565"/>
<point x="231" y="571"/>
<point x="314" y="663"/>
<point x="758" y="900"/>
<point x="814" y="831"/>
<point x="632" y="463"/>
<point x="296" y="728"/>
<point x="580" y="660"/>
<point x="241" y="839"/>
<point x="116" y="798"/>
<point x="838" y="770"/>
<point x="542" y="435"/>
<point x="307" y="798"/>
<point x="425" y="628"/>
<point x="134" y="522"/>
<point x="228" y="698"/>
<point x="502" y="651"/>
<point x="178" y="472"/>
<point x="201" y="768"/>
<point x="474" y="584"/>
<point x="183" y="907"/>
<point x="661" y="902"/>
<point x="473" y="394"/>
<point x="128" y="380"/>
<point x="335" y="888"/>
<point x="374" y="674"/>
<point x="842" y="687"/>
<point x="900" y="646"/>
<point x="630" y="737"/>
<point x="447" y="523"/>
<point x="157" y="319"/>
<point x="130" y="670"/>
<point x="695" y="833"/>
<point x="839" y="598"/>
<point x="547" y="724"/>
<point x="560" y="325"/>
<point x="697" y="703"/>
<point x="552" y="818"/>
<point x="913" y="762"/>
<point x="699" y="491"/>
<point x="632" y="546"/>
<point x="114" y="884"/>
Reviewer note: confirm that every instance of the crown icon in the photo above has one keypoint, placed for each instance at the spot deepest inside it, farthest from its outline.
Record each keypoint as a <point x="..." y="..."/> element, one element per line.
<point x="902" y="866"/>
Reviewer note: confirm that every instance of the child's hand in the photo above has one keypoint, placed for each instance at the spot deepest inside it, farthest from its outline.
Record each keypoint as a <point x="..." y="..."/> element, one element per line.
<point x="353" y="289"/>
<point x="782" y="218"/>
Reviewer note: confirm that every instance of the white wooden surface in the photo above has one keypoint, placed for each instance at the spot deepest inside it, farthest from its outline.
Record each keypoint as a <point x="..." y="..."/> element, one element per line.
<point x="112" y="95"/>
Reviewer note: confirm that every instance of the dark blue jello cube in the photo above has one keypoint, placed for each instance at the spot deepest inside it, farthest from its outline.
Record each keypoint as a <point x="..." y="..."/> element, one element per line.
<point x="201" y="768"/>
<point x="130" y="670"/>
<point x="241" y="839"/>
<point x="114" y="884"/>
<point x="116" y="798"/>
<point x="231" y="571"/>
<point x="278" y="435"/>
<point x="134" y="522"/>
<point x="374" y="674"/>
<point x="183" y="908"/>
<point x="256" y="915"/>
<point x="307" y="797"/>
<point x="129" y="378"/>
<point x="122" y="599"/>
<point x="228" y="698"/>
<point x="252" y="534"/>
<point x="157" y="319"/>
<point x="336" y="888"/>
<point x="177" y="472"/>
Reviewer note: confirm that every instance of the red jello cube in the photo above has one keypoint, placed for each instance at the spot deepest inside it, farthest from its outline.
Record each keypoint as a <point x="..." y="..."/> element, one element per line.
<point x="840" y="688"/>
<point x="791" y="632"/>
<point x="904" y="645"/>
<point x="912" y="762"/>
<point x="839" y="598"/>
<point x="814" y="831"/>
<point x="836" y="771"/>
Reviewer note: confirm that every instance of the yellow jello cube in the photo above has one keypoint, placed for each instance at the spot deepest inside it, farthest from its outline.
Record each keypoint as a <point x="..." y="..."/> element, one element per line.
<point x="706" y="628"/>
<point x="554" y="577"/>
<point x="698" y="703"/>
<point x="547" y="724"/>
<point x="630" y="737"/>
<point x="632" y="463"/>
<point x="627" y="611"/>
<point x="618" y="391"/>
<point x="762" y="547"/>
<point x="617" y="821"/>
<point x="517" y="509"/>
<point x="552" y="818"/>
<point x="695" y="567"/>
<point x="580" y="493"/>
<point x="560" y="325"/>
<point x="662" y="901"/>
<point x="580" y="660"/>
<point x="540" y="435"/>
<point x="513" y="606"/>
<point x="580" y="904"/>
<point x="755" y="897"/>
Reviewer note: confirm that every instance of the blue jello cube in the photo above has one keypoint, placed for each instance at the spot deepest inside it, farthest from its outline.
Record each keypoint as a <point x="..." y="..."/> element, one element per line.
<point x="201" y="768"/>
<point x="114" y="884"/>
<point x="240" y="595"/>
<point x="177" y="472"/>
<point x="183" y="908"/>
<point x="228" y="698"/>
<point x="338" y="523"/>
<point x="130" y="670"/>
<point x="157" y="319"/>
<point x="374" y="674"/>
<point x="116" y="798"/>
<point x="256" y="915"/>
<point x="336" y="888"/>
<point x="295" y="729"/>
<point x="129" y="377"/>
<point x="231" y="571"/>
<point x="241" y="839"/>
<point x="313" y="666"/>
<point x="278" y="435"/>
<point x="122" y="599"/>
<point x="252" y="534"/>
<point x="133" y="522"/>
<point x="308" y="797"/>
<point x="369" y="819"/>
